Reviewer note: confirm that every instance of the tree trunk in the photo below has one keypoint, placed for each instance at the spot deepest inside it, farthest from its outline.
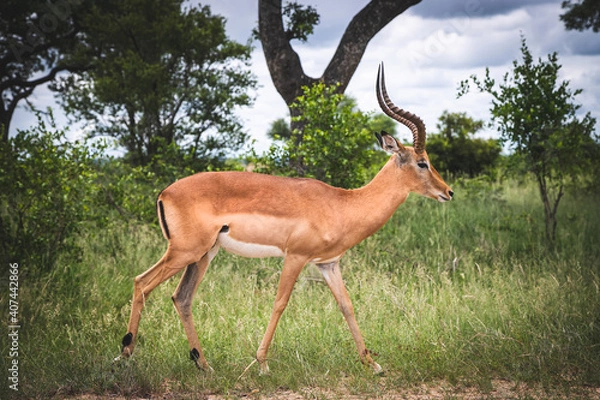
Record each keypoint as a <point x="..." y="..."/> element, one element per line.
<point x="5" y="118"/>
<point x="284" y="63"/>
<point x="550" y="207"/>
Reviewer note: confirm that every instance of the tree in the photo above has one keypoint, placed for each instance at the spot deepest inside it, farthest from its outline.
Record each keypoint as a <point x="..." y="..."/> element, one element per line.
<point x="163" y="80"/>
<point x="280" y="128"/>
<point x="337" y="145"/>
<point x="581" y="15"/>
<point x="284" y="63"/>
<point x="34" y="36"/>
<point x="535" y="113"/>
<point x="381" y="122"/>
<point x="455" y="150"/>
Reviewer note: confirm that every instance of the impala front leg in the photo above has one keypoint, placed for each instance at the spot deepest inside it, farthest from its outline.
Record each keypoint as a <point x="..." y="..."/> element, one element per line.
<point x="333" y="277"/>
<point x="292" y="267"/>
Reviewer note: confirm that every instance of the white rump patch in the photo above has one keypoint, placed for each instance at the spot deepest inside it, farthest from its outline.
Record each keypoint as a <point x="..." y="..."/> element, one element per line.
<point x="244" y="249"/>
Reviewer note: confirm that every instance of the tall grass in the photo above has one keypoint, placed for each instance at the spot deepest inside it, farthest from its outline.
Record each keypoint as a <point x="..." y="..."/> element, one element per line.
<point x="465" y="292"/>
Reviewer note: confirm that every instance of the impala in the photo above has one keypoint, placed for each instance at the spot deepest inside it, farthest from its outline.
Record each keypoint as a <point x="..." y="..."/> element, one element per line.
<point x="302" y="220"/>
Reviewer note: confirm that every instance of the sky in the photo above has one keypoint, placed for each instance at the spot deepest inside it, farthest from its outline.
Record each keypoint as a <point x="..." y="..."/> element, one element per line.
<point x="427" y="51"/>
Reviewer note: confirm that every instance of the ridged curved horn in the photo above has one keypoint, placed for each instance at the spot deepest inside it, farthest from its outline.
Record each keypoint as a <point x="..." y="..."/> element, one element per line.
<point x="413" y="122"/>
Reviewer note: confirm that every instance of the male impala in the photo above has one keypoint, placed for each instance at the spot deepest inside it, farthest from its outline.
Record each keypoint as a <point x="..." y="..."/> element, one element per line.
<point x="302" y="220"/>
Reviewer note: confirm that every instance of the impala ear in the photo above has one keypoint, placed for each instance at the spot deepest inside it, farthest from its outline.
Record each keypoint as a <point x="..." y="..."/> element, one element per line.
<point x="389" y="143"/>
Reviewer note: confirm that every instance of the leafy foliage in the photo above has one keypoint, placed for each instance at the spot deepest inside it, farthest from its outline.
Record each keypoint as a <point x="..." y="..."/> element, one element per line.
<point x="300" y="21"/>
<point x="334" y="146"/>
<point x="535" y="113"/>
<point x="455" y="150"/>
<point x="381" y="122"/>
<point x="48" y="192"/>
<point x="279" y="130"/>
<point x="130" y="191"/>
<point x="581" y="15"/>
<point x="164" y="81"/>
<point x="34" y="36"/>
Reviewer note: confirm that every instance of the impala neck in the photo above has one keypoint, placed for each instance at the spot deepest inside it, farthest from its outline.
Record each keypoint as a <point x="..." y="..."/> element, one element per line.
<point x="373" y="205"/>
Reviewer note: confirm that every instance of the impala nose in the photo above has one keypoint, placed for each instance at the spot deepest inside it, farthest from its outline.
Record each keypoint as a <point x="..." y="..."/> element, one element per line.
<point x="451" y="193"/>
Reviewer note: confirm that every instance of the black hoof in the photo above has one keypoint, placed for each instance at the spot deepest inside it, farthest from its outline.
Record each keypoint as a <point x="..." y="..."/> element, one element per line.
<point x="127" y="339"/>
<point x="194" y="355"/>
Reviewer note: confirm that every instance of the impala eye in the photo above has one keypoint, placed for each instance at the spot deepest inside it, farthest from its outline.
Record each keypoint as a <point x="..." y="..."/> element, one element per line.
<point x="422" y="164"/>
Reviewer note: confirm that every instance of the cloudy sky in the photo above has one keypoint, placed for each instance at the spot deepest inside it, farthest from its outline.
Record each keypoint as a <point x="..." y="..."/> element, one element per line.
<point x="427" y="51"/>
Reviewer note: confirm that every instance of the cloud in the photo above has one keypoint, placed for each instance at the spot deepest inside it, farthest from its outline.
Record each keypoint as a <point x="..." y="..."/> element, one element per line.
<point x="430" y="56"/>
<point x="241" y="16"/>
<point x="444" y="9"/>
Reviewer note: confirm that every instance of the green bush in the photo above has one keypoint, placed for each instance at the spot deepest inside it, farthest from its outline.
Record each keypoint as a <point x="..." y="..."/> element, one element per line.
<point x="335" y="144"/>
<point x="48" y="190"/>
<point x="455" y="150"/>
<point x="129" y="193"/>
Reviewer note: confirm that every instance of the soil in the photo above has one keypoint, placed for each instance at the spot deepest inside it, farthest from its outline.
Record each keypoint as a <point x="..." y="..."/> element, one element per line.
<point x="500" y="390"/>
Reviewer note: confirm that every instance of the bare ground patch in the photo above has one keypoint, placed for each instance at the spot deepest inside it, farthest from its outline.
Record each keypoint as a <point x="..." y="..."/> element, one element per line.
<point x="499" y="390"/>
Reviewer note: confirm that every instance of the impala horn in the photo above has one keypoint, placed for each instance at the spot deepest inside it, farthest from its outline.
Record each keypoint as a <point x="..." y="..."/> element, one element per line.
<point x="413" y="122"/>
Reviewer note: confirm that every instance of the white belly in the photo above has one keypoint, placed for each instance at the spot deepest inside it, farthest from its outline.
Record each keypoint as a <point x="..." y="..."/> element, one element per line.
<point x="245" y="249"/>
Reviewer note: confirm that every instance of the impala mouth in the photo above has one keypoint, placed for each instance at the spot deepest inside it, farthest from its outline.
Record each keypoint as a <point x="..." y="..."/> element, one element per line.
<point x="443" y="199"/>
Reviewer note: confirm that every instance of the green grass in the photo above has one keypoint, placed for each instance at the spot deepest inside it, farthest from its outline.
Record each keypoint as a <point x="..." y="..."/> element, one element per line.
<point x="464" y="292"/>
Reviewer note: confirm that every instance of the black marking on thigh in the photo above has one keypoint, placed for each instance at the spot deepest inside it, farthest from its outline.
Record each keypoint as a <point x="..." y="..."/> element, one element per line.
<point x="194" y="354"/>
<point x="224" y="229"/>
<point x="163" y="220"/>
<point x="127" y="339"/>
<point x="185" y="291"/>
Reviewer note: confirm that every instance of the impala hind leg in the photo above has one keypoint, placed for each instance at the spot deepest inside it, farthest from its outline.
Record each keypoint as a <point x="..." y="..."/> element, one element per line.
<point x="333" y="277"/>
<point x="292" y="267"/>
<point x="182" y="299"/>
<point x="143" y="284"/>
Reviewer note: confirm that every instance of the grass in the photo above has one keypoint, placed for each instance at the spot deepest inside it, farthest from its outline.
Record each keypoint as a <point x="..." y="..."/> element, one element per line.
<point x="465" y="292"/>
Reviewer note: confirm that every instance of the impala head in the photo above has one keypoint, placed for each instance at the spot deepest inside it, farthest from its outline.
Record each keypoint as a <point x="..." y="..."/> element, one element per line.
<point x="413" y="160"/>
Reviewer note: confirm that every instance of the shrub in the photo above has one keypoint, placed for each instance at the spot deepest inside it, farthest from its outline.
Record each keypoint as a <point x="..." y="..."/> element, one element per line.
<point x="48" y="190"/>
<point x="334" y="144"/>
<point x="455" y="150"/>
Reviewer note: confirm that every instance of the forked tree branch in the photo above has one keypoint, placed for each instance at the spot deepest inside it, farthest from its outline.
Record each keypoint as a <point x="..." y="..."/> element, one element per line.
<point x="284" y="63"/>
